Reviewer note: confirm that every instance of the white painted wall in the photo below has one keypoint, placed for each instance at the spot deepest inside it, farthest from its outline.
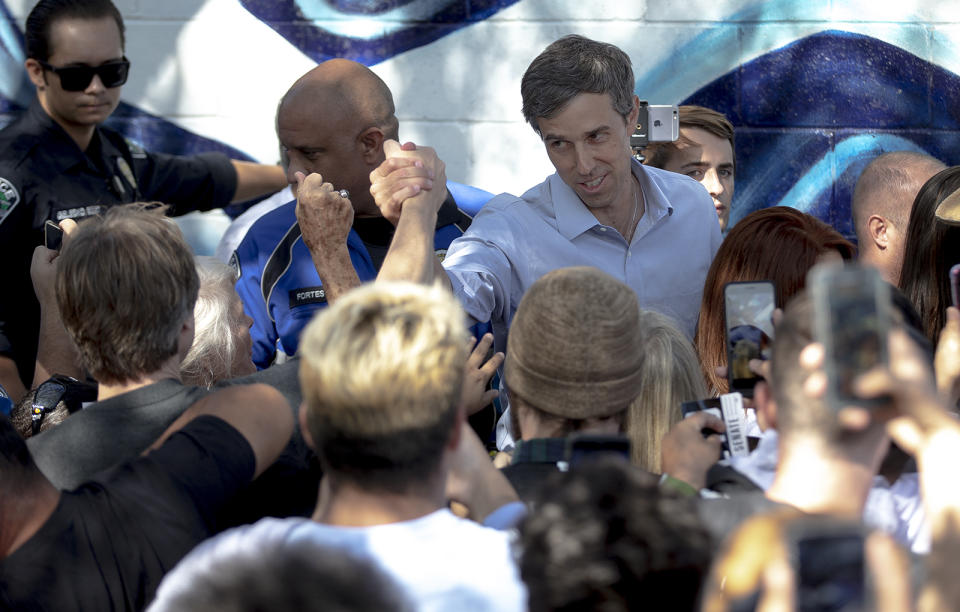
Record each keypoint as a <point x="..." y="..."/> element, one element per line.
<point x="211" y="67"/>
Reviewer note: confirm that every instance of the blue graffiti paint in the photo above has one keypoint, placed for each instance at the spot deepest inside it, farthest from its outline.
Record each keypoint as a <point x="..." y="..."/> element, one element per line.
<point x="813" y="185"/>
<point x="810" y="115"/>
<point x="834" y="79"/>
<point x="368" y="31"/>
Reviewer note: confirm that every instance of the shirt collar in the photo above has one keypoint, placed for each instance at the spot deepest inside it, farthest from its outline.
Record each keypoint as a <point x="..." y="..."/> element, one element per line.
<point x="540" y="450"/>
<point x="657" y="207"/>
<point x="574" y="218"/>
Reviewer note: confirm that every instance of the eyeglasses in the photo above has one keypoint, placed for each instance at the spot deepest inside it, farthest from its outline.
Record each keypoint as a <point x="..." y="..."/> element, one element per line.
<point x="77" y="78"/>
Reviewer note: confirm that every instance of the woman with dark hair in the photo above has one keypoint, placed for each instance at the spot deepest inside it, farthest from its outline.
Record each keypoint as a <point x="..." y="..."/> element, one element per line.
<point x="778" y="244"/>
<point x="932" y="247"/>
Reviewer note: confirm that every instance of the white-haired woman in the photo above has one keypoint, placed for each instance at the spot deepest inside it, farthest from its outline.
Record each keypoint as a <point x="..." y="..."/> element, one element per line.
<point x="222" y="346"/>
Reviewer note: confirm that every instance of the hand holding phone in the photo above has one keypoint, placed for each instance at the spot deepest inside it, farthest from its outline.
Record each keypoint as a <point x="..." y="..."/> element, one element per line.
<point x="691" y="447"/>
<point x="851" y="309"/>
<point x="728" y="408"/>
<point x="748" y="324"/>
<point x="52" y="236"/>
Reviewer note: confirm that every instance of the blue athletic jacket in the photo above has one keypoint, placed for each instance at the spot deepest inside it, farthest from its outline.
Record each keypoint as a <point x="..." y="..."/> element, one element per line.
<point x="280" y="287"/>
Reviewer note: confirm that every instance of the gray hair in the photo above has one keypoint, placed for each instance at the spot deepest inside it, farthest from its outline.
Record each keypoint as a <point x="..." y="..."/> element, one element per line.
<point x="214" y="344"/>
<point x="573" y="65"/>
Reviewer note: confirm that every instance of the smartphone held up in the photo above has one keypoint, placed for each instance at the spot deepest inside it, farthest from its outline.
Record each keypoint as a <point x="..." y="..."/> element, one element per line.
<point x="851" y="310"/>
<point x="748" y="318"/>
<point x="52" y="236"/>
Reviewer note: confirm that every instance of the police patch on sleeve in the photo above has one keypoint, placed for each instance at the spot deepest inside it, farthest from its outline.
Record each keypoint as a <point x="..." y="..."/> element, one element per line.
<point x="235" y="264"/>
<point x="9" y="198"/>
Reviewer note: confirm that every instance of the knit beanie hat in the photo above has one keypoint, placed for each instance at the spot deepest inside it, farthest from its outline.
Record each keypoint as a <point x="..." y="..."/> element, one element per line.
<point x="574" y="345"/>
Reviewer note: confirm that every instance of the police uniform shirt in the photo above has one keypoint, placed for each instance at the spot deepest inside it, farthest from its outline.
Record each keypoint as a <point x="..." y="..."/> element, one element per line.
<point x="44" y="175"/>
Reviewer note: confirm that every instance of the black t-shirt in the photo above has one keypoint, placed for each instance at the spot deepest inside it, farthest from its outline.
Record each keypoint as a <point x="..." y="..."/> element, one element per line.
<point x="108" y="433"/>
<point x="44" y="175"/>
<point x="290" y="485"/>
<point x="109" y="543"/>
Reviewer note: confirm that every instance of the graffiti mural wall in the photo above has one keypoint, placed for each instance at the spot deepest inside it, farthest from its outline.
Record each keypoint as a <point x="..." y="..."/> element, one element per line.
<point x="815" y="89"/>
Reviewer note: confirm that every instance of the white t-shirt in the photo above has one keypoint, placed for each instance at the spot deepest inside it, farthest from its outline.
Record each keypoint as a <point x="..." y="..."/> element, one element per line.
<point x="442" y="561"/>
<point x="896" y="509"/>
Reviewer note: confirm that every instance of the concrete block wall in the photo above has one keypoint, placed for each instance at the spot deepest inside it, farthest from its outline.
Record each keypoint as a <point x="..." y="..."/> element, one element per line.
<point x="815" y="88"/>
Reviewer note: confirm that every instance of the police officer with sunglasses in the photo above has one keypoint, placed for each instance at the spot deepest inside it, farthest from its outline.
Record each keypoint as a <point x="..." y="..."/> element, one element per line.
<point x="57" y="162"/>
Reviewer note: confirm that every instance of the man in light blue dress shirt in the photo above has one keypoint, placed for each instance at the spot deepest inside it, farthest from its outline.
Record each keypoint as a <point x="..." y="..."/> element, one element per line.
<point x="656" y="231"/>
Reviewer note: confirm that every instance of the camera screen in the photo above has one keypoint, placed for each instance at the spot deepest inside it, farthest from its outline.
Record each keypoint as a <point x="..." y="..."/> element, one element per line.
<point x="748" y="309"/>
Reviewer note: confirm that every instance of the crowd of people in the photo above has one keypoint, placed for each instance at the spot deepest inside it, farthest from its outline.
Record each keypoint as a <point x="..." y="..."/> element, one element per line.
<point x="383" y="401"/>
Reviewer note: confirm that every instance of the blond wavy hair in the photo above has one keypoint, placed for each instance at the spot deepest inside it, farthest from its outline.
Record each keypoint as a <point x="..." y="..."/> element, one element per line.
<point x="381" y="374"/>
<point x="670" y="375"/>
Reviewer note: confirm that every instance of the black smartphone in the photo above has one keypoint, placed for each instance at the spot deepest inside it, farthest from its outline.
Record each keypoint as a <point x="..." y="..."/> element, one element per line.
<point x="828" y="562"/>
<point x="748" y="324"/>
<point x="583" y="447"/>
<point x="955" y="285"/>
<point x="52" y="236"/>
<point x="851" y="318"/>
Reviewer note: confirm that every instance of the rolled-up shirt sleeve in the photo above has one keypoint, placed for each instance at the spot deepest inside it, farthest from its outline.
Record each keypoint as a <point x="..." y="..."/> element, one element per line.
<point x="481" y="275"/>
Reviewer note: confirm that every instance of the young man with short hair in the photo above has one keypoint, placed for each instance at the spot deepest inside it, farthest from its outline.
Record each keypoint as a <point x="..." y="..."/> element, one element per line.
<point x="58" y="163"/>
<point x="704" y="152"/>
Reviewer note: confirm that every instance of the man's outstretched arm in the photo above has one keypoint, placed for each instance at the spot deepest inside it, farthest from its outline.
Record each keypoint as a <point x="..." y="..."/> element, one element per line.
<point x="409" y="187"/>
<point x="56" y="353"/>
<point x="255" y="180"/>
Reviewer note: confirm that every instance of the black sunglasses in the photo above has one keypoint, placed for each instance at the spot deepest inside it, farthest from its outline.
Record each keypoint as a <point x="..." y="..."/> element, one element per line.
<point x="77" y="78"/>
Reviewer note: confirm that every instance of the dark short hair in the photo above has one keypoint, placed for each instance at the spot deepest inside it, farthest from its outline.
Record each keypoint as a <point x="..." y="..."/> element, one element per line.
<point x="126" y="283"/>
<point x="47" y="12"/>
<point x="395" y="462"/>
<point x="636" y="546"/>
<point x="571" y="66"/>
<point x="691" y="116"/>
